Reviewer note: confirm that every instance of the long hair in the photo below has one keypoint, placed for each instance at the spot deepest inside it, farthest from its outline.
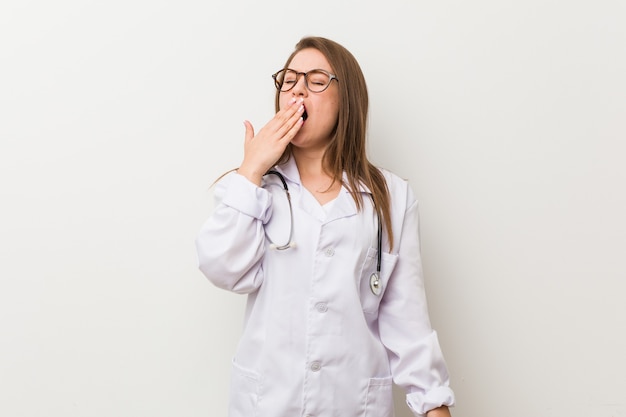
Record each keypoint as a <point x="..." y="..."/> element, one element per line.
<point x="346" y="151"/>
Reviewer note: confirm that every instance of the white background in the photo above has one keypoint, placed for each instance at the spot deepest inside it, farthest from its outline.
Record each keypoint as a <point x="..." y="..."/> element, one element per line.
<point x="508" y="119"/>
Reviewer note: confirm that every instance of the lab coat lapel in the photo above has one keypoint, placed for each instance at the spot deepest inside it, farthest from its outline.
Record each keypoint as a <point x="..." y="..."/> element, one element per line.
<point x="300" y="197"/>
<point x="343" y="207"/>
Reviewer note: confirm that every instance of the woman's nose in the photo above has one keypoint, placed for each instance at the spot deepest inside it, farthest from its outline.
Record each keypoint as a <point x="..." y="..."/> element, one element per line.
<point x="300" y="88"/>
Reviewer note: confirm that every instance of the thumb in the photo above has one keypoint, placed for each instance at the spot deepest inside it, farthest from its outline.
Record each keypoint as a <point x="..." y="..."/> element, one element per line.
<point x="249" y="130"/>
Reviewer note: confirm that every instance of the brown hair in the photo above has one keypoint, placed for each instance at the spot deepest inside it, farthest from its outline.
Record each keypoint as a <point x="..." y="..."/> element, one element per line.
<point x="346" y="151"/>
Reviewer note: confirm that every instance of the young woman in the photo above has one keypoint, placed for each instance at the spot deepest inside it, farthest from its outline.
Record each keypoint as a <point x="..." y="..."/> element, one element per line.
<point x="326" y="246"/>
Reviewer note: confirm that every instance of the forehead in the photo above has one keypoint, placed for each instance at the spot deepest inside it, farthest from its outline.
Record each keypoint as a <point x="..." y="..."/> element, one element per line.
<point x="308" y="59"/>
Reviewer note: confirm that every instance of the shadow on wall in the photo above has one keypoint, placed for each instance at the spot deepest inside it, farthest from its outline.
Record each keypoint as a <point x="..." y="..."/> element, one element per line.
<point x="399" y="401"/>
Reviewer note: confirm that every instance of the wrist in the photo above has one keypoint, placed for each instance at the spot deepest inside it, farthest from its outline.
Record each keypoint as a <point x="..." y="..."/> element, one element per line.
<point x="253" y="176"/>
<point x="442" y="411"/>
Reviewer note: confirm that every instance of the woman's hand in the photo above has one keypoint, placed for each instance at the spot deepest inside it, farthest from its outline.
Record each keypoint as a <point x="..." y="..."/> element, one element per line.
<point x="262" y="150"/>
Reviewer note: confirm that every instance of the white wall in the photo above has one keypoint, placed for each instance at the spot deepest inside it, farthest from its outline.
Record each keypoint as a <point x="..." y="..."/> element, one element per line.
<point x="508" y="118"/>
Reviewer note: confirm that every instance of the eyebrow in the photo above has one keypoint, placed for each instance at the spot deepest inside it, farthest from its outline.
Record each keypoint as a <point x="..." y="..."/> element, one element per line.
<point x="312" y="69"/>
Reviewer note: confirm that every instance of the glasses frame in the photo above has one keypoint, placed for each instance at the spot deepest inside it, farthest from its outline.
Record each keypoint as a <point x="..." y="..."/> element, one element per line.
<point x="306" y="80"/>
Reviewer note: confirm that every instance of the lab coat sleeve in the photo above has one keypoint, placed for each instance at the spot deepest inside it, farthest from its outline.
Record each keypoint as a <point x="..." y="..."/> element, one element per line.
<point x="230" y="244"/>
<point x="416" y="360"/>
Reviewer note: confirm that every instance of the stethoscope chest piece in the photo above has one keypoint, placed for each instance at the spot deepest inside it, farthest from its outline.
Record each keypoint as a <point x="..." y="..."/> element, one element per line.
<point x="375" y="284"/>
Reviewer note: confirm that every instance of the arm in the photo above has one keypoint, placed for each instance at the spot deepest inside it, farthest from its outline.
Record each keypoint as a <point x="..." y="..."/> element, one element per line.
<point x="231" y="242"/>
<point x="416" y="360"/>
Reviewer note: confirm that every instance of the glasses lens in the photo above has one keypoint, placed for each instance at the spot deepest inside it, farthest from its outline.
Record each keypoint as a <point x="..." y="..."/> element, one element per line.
<point x="285" y="79"/>
<point x="317" y="81"/>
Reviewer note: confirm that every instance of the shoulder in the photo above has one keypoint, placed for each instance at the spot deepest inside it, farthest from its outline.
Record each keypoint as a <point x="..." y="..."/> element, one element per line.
<point x="400" y="191"/>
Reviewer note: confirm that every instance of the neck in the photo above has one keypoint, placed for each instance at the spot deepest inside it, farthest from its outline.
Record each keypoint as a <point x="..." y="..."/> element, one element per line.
<point x="313" y="177"/>
<point x="310" y="163"/>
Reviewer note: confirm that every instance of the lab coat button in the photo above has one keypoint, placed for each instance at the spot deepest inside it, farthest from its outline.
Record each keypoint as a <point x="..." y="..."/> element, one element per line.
<point x="329" y="252"/>
<point x="316" y="366"/>
<point x="321" y="307"/>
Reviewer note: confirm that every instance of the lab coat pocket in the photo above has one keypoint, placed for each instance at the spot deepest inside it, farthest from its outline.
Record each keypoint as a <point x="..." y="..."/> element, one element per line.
<point x="244" y="391"/>
<point x="372" y="290"/>
<point x="379" y="402"/>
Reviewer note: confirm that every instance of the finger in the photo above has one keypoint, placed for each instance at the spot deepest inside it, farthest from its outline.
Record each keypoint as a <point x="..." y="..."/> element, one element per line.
<point x="292" y="120"/>
<point x="249" y="130"/>
<point x="293" y="130"/>
<point x="284" y="115"/>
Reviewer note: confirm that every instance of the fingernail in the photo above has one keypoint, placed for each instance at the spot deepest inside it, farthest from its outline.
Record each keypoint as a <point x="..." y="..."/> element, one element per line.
<point x="293" y="100"/>
<point x="301" y="108"/>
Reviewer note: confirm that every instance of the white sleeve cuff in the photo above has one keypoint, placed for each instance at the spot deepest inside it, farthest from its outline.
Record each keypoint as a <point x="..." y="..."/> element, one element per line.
<point x="246" y="197"/>
<point x="421" y="403"/>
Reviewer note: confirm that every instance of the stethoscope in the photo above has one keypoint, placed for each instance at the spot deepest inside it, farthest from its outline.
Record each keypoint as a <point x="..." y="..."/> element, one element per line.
<point x="375" y="284"/>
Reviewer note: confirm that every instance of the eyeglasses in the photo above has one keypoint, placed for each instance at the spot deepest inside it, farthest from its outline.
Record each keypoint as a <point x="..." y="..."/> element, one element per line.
<point x="316" y="80"/>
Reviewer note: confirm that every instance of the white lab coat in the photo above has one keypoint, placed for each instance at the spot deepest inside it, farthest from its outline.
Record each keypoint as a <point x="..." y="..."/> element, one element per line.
<point x="317" y="341"/>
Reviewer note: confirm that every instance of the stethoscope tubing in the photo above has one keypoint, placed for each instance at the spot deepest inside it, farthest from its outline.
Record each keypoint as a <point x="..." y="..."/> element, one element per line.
<point x="289" y="243"/>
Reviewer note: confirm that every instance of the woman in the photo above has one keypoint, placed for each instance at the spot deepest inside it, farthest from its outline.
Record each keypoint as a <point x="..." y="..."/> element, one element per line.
<point x="326" y="247"/>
